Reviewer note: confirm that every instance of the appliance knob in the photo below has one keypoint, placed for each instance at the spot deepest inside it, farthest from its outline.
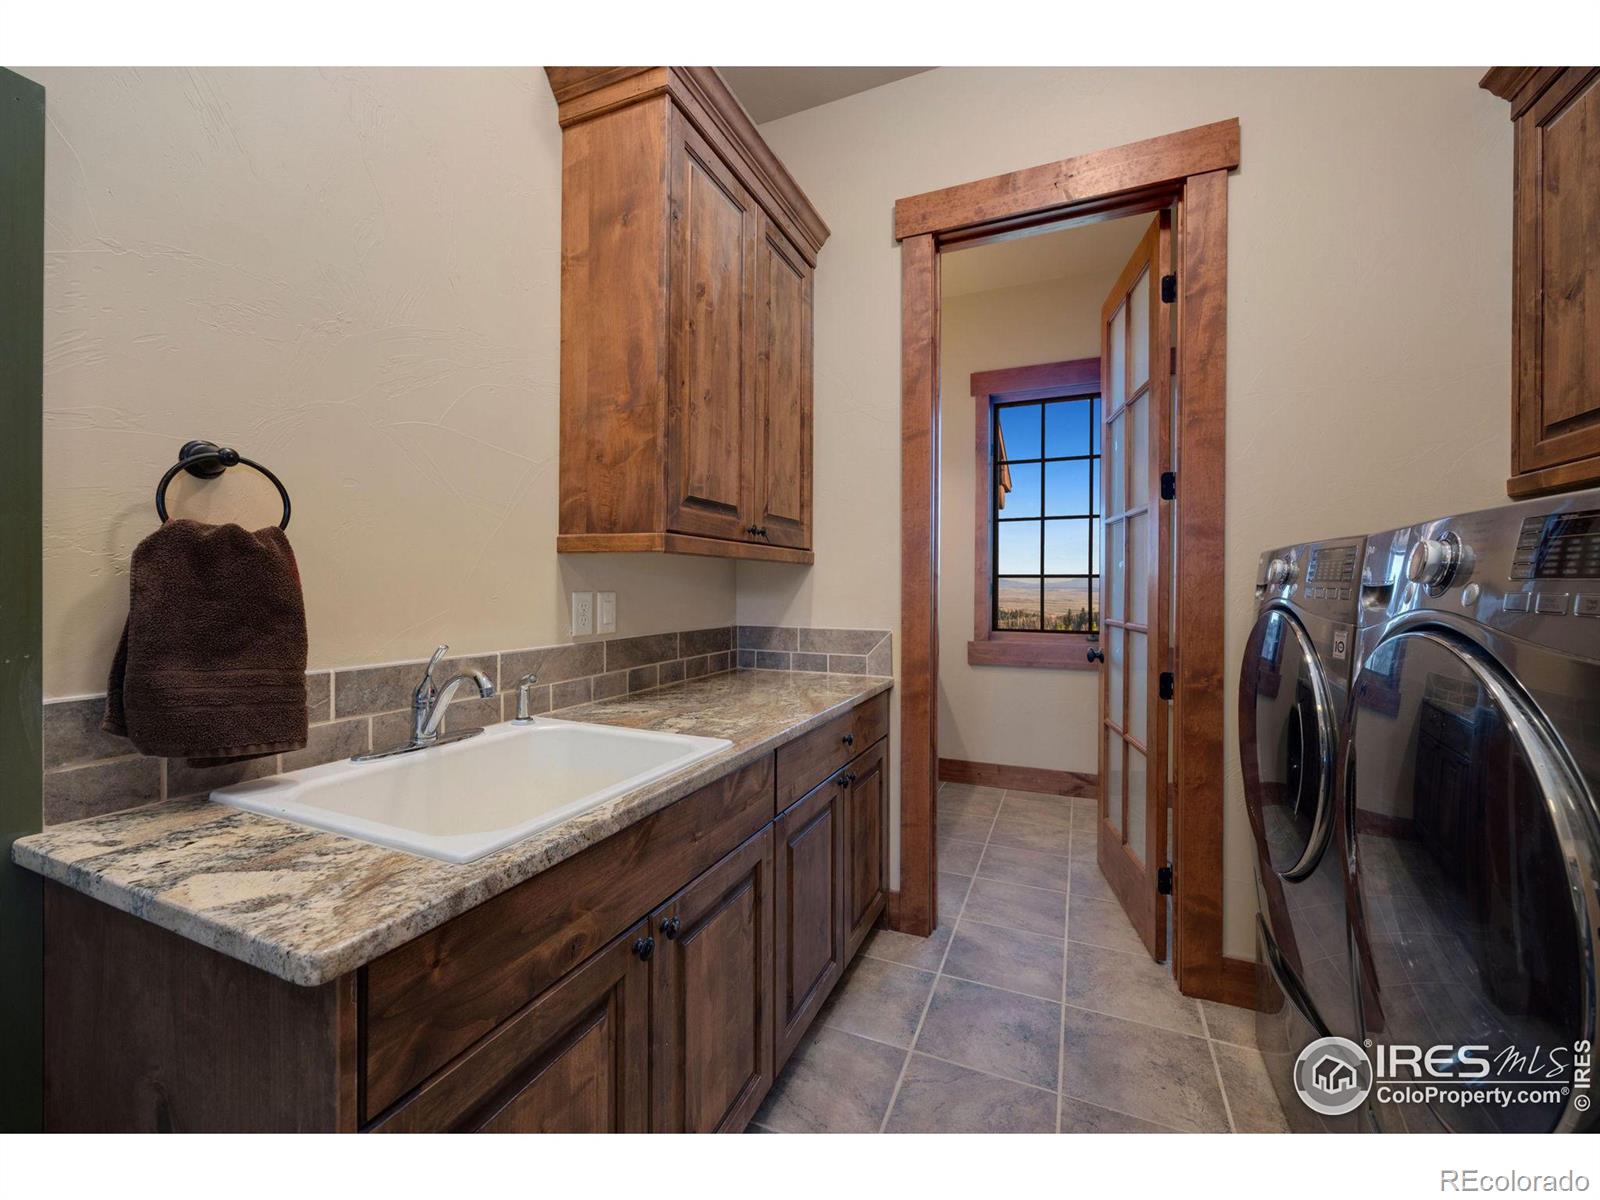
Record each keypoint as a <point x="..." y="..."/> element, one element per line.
<point x="1431" y="562"/>
<point x="1279" y="571"/>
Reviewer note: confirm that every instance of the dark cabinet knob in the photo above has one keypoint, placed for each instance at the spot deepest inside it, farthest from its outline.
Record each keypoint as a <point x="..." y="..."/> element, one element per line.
<point x="753" y="530"/>
<point x="670" y="927"/>
<point x="644" y="948"/>
<point x="1096" y="655"/>
<point x="849" y="739"/>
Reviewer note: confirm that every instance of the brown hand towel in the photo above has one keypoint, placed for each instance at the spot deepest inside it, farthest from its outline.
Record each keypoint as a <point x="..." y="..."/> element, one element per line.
<point x="212" y="663"/>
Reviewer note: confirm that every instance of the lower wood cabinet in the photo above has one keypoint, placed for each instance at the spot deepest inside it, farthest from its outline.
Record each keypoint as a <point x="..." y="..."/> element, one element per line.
<point x="809" y="841"/>
<point x="711" y="1024"/>
<point x="573" y="1061"/>
<point x="866" y="822"/>
<point x="578" y="1001"/>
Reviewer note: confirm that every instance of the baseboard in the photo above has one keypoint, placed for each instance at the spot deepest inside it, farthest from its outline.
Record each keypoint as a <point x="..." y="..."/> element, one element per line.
<point x="1022" y="779"/>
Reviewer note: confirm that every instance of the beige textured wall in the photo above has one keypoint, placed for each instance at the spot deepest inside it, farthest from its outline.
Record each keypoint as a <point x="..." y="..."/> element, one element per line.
<point x="353" y="276"/>
<point x="1018" y="716"/>
<point x="1369" y="309"/>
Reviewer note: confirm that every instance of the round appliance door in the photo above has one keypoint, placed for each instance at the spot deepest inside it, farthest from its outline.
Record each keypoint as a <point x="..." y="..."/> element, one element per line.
<point x="1286" y="744"/>
<point x="1473" y="849"/>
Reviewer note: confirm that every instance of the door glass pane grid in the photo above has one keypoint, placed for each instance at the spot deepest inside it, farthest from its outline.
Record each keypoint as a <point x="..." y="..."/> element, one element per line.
<point x="1046" y="516"/>
<point x="1113" y="781"/>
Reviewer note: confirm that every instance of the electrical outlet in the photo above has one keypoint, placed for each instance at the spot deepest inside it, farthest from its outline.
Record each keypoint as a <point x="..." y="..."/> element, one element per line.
<point x="605" y="612"/>
<point x="582" y="613"/>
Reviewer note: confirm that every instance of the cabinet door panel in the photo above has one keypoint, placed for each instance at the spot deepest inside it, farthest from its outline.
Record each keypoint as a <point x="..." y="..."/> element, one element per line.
<point x="711" y="1031"/>
<point x="809" y="844"/>
<point x="710" y="431"/>
<point x="575" y="1060"/>
<point x="783" y="392"/>
<point x="1558" y="273"/>
<point x="867" y="845"/>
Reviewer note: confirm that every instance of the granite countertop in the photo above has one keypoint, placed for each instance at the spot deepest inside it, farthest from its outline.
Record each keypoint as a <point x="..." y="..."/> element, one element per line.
<point x="309" y="906"/>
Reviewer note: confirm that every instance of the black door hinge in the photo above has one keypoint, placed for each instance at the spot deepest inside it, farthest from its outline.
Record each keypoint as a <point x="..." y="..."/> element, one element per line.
<point x="1164" y="880"/>
<point x="1169" y="485"/>
<point x="1169" y="288"/>
<point x="1166" y="685"/>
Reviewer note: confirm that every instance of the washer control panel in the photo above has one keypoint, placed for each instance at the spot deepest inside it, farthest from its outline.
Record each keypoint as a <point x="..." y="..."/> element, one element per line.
<point x="1561" y="545"/>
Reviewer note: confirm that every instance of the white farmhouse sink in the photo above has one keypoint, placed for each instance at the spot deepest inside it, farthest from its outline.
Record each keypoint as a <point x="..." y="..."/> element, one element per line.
<point x="467" y="799"/>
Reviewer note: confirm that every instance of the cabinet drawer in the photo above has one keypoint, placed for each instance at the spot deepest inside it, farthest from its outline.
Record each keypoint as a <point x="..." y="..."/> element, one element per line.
<point x="806" y="761"/>
<point x="426" y="1002"/>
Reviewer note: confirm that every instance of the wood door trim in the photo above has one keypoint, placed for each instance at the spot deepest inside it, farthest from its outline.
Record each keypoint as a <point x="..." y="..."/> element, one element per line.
<point x="1081" y="180"/>
<point x="1199" y="612"/>
<point x="1022" y="779"/>
<point x="916" y="898"/>
<point x="1194" y="164"/>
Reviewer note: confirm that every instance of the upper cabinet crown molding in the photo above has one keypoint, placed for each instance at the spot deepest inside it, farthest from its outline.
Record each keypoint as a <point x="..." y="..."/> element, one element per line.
<point x="704" y="96"/>
<point x="687" y="253"/>
<point x="1555" y="407"/>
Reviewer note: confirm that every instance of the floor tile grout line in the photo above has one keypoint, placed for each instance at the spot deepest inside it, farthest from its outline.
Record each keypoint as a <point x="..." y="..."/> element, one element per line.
<point x="1216" y="1066"/>
<point x="1037" y="1087"/>
<point x="1099" y="1012"/>
<point x="938" y="973"/>
<point x="1066" y="946"/>
<point x="894" y="1095"/>
<point x="995" y="987"/>
<point x="1065" y="1095"/>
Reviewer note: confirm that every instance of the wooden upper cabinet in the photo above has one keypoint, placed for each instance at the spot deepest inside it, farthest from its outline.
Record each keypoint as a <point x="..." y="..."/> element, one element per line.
<point x="711" y="328"/>
<point x="1555" y="437"/>
<point x="782" y="460"/>
<point x="686" y="321"/>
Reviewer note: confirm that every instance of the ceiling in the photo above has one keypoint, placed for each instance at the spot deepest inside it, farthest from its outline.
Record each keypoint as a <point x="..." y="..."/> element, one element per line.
<point x="1101" y="249"/>
<point x="768" y="93"/>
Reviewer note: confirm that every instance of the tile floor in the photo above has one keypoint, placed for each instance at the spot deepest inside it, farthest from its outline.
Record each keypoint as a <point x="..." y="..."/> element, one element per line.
<point x="1032" y="1009"/>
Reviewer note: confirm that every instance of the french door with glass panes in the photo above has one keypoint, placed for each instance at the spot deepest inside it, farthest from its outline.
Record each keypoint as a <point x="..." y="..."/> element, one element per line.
<point x="1135" y="613"/>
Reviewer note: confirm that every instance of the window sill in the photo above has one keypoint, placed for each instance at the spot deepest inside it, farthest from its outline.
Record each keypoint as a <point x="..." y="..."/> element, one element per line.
<point x="1052" y="651"/>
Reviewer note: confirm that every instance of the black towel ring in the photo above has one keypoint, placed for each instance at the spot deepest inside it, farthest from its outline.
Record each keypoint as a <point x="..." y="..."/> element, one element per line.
<point x="207" y="460"/>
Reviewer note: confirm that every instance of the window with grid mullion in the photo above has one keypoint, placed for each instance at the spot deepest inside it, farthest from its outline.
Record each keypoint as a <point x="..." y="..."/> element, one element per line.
<point x="1045" y="572"/>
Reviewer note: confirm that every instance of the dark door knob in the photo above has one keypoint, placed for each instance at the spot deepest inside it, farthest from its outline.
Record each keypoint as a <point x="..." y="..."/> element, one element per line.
<point x="1096" y="655"/>
<point x="670" y="927"/>
<point x="644" y="948"/>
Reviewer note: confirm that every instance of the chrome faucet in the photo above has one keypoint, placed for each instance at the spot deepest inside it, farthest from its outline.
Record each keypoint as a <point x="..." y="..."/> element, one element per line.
<point x="428" y="707"/>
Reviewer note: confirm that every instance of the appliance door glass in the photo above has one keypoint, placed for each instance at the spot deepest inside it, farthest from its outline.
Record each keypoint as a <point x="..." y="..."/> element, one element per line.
<point x="1470" y="841"/>
<point x="1286" y="743"/>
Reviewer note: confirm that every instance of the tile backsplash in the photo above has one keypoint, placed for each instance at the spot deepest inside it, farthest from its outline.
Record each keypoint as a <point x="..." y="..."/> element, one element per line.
<point x="800" y="648"/>
<point x="355" y="709"/>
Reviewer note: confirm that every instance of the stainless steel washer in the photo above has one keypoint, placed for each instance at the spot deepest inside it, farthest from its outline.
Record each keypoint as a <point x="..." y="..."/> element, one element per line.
<point x="1293" y="695"/>
<point x="1471" y="827"/>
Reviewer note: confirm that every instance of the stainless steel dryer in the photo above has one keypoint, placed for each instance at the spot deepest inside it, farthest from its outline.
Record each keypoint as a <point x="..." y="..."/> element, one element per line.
<point x="1293" y="695"/>
<point x="1472" y="832"/>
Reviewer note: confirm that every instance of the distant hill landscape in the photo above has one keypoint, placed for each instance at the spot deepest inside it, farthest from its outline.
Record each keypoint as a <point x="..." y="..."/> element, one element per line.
<point x="1067" y="604"/>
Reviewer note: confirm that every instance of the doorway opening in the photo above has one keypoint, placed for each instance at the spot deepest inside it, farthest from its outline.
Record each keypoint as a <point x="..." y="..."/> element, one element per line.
<point x="1131" y="576"/>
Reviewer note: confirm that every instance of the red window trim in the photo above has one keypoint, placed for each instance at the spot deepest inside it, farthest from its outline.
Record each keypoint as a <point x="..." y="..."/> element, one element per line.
<point x="991" y="647"/>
